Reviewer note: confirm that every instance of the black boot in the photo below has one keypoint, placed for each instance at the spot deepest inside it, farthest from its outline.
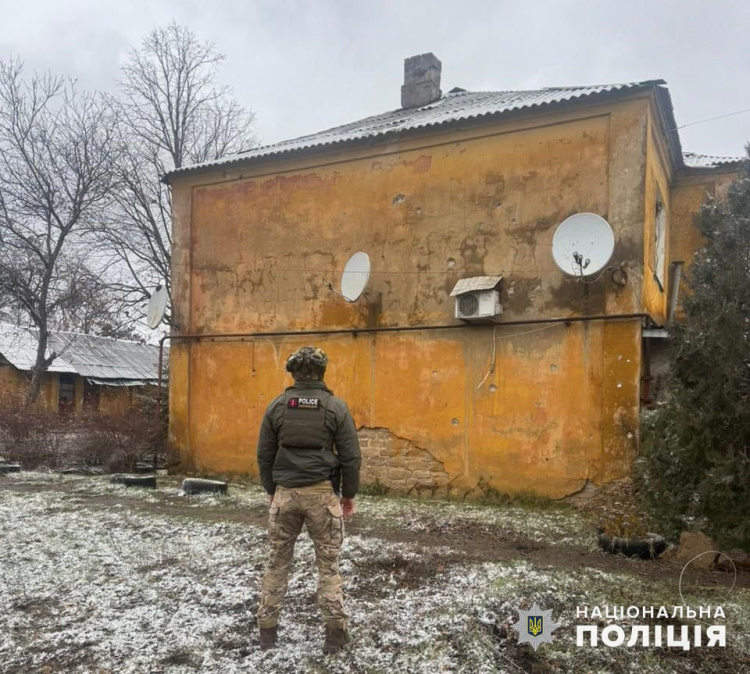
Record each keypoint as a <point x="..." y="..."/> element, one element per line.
<point x="268" y="637"/>
<point x="336" y="638"/>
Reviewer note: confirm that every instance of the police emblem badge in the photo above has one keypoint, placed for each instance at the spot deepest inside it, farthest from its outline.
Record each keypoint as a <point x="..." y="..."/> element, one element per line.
<point x="535" y="626"/>
<point x="304" y="403"/>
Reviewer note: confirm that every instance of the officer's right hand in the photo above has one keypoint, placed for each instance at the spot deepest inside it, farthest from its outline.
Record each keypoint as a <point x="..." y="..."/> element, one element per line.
<point x="347" y="505"/>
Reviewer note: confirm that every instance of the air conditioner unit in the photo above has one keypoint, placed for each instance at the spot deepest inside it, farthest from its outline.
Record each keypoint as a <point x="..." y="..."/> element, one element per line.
<point x="478" y="297"/>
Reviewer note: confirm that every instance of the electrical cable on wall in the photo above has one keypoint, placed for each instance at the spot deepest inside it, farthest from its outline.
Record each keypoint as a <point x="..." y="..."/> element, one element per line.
<point x="492" y="359"/>
<point x="515" y="334"/>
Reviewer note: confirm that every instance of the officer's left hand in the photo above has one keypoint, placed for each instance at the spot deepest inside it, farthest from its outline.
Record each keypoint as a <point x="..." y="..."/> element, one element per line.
<point x="270" y="500"/>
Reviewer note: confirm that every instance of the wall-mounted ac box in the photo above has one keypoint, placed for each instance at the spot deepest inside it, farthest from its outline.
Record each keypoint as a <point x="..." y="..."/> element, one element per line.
<point x="477" y="298"/>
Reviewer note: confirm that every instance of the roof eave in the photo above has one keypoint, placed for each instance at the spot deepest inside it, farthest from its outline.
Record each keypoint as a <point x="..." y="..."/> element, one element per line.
<point x="724" y="167"/>
<point x="662" y="96"/>
<point x="669" y="124"/>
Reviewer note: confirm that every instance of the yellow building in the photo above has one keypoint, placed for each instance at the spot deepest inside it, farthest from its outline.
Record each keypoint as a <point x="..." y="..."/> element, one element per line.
<point x="545" y="396"/>
<point x="90" y="374"/>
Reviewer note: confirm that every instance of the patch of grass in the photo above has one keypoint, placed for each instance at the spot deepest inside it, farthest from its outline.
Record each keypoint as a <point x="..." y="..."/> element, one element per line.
<point x="525" y="498"/>
<point x="376" y="488"/>
<point x="530" y="499"/>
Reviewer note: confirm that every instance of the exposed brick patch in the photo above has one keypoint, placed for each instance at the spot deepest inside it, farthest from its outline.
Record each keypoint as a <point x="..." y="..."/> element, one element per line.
<point x="400" y="465"/>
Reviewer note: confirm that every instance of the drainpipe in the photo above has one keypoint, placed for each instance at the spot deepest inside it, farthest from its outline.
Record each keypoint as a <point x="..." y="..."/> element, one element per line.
<point x="646" y="378"/>
<point x="676" y="278"/>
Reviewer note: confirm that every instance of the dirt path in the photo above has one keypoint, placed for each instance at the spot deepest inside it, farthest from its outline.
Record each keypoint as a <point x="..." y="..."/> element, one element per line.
<point x="469" y="541"/>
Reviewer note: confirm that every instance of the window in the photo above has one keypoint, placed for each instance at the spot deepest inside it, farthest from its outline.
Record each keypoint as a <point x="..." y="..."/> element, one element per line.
<point x="66" y="397"/>
<point x="660" y="244"/>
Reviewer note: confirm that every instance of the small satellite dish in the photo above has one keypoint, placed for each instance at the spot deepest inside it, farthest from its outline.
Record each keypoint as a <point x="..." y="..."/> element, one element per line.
<point x="355" y="276"/>
<point x="583" y="244"/>
<point x="157" y="305"/>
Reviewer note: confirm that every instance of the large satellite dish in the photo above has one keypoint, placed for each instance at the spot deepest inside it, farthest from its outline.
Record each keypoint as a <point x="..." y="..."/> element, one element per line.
<point x="157" y="305"/>
<point x="355" y="276"/>
<point x="583" y="244"/>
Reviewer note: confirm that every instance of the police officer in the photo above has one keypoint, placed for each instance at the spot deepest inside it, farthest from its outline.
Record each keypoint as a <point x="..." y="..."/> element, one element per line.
<point x="307" y="446"/>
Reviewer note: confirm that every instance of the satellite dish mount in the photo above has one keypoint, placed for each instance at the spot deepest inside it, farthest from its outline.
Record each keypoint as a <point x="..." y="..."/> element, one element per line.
<point x="355" y="277"/>
<point x="583" y="244"/>
<point x="157" y="306"/>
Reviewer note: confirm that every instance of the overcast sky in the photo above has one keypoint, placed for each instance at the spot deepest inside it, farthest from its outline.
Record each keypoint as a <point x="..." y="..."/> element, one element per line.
<point x="307" y="65"/>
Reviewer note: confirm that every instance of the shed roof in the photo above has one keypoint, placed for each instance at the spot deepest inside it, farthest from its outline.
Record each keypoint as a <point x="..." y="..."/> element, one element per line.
<point x="18" y="346"/>
<point x="102" y="358"/>
<point x="105" y="357"/>
<point x="455" y="106"/>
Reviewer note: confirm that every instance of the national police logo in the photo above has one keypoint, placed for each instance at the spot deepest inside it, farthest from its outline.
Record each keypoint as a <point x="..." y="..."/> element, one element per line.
<point x="304" y="403"/>
<point x="535" y="626"/>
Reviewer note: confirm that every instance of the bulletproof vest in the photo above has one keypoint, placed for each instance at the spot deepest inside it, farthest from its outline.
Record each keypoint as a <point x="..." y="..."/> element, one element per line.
<point x="303" y="425"/>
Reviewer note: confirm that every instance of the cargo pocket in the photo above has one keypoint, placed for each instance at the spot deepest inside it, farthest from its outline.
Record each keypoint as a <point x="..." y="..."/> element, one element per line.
<point x="337" y="520"/>
<point x="273" y="514"/>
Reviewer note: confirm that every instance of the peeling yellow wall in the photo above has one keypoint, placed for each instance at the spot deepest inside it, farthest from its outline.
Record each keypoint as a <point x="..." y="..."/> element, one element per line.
<point x="689" y="192"/>
<point x="256" y="247"/>
<point x="14" y="383"/>
<point x="115" y="400"/>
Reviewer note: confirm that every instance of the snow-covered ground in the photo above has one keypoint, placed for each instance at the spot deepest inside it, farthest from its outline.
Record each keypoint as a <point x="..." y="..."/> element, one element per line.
<point x="96" y="577"/>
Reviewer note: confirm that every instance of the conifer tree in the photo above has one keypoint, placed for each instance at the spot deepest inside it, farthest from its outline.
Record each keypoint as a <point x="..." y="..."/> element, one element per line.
<point x="695" y="468"/>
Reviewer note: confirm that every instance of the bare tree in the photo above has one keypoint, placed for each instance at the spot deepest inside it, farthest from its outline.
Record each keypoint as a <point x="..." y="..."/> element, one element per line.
<point x="92" y="302"/>
<point x="56" y="172"/>
<point x="173" y="113"/>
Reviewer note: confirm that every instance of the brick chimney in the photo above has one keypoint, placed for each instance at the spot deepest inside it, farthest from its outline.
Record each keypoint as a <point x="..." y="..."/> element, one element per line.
<point x="421" y="80"/>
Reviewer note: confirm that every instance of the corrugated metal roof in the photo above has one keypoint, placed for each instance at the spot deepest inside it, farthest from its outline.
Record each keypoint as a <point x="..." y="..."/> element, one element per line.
<point x="106" y="358"/>
<point x="18" y="346"/>
<point x="693" y="160"/>
<point x="102" y="358"/>
<point x="466" y="285"/>
<point x="457" y="105"/>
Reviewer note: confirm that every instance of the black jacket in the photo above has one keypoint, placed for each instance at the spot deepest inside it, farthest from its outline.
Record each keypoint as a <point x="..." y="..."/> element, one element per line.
<point x="339" y="458"/>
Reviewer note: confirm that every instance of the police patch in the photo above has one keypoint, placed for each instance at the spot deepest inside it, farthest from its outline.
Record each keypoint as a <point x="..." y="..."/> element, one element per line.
<point x="304" y="403"/>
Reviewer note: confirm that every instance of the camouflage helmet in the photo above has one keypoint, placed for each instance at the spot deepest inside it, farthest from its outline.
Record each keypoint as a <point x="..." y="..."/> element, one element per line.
<point x="308" y="362"/>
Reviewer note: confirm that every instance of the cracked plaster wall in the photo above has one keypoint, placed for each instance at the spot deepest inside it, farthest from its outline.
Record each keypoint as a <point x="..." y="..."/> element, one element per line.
<point x="255" y="249"/>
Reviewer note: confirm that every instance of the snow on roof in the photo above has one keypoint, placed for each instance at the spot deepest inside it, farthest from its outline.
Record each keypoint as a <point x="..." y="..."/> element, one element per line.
<point x="101" y="358"/>
<point x="18" y="346"/>
<point x="105" y="357"/>
<point x="694" y="160"/>
<point x="456" y="105"/>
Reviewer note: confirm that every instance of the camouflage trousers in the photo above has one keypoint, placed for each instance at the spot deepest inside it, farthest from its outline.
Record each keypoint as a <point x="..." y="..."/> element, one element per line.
<point x="317" y="507"/>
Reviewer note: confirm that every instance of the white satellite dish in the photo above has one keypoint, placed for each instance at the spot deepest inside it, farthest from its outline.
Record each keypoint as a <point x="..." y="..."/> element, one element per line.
<point x="583" y="244"/>
<point x="355" y="276"/>
<point x="157" y="305"/>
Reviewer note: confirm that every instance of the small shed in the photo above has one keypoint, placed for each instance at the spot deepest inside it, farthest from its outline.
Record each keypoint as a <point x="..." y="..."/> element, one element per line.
<point x="90" y="373"/>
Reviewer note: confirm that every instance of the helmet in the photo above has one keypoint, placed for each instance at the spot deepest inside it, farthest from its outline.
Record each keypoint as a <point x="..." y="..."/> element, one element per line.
<point x="308" y="362"/>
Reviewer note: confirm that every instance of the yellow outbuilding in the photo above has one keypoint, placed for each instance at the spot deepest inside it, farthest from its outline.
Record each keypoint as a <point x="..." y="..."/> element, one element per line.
<point x="90" y="374"/>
